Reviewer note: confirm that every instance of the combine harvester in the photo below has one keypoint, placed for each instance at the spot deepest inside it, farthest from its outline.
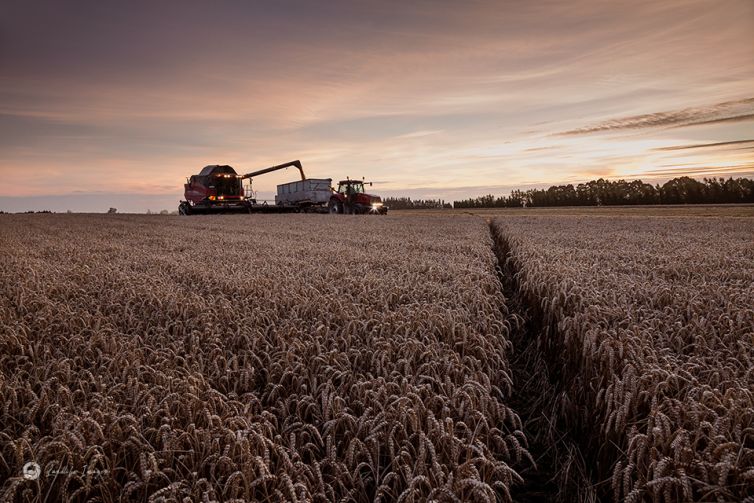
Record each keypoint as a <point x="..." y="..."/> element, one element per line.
<point x="219" y="189"/>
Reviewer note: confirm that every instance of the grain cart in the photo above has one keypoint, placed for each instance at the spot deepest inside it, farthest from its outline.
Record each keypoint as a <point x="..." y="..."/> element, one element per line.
<point x="219" y="189"/>
<point x="310" y="195"/>
<point x="351" y="198"/>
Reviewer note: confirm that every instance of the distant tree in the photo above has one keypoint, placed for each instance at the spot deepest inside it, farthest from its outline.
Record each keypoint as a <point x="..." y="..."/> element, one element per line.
<point x="164" y="212"/>
<point x="683" y="190"/>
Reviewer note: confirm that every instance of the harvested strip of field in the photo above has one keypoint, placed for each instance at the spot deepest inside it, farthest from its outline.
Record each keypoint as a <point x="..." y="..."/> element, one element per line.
<point x="280" y="357"/>
<point x="561" y="473"/>
<point x="650" y="323"/>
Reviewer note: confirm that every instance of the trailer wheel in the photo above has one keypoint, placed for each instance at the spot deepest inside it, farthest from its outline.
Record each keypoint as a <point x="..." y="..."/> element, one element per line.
<point x="335" y="207"/>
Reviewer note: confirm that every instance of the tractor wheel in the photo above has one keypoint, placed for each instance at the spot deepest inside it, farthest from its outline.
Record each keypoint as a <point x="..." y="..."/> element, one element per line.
<point x="184" y="209"/>
<point x="335" y="207"/>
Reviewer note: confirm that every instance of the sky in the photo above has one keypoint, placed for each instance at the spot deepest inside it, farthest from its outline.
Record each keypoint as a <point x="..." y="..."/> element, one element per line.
<point x="114" y="103"/>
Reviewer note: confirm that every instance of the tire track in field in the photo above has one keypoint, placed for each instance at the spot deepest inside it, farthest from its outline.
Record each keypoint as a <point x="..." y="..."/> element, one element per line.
<point x="561" y="472"/>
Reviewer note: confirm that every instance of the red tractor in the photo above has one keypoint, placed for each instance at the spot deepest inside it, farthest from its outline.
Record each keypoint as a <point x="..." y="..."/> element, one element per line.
<point x="351" y="198"/>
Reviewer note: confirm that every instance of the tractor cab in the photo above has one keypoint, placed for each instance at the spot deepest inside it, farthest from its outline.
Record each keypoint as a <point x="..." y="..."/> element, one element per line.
<point x="349" y="187"/>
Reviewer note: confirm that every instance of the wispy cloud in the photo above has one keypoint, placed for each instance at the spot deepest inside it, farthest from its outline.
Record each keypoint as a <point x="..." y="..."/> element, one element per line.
<point x="697" y="171"/>
<point x="719" y="112"/>
<point x="419" y="134"/>
<point x="541" y="149"/>
<point x="732" y="118"/>
<point x="706" y="145"/>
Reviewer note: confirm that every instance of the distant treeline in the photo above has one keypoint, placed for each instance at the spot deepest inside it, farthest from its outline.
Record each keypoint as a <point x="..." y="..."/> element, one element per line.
<point x="683" y="190"/>
<point x="29" y="212"/>
<point x="406" y="203"/>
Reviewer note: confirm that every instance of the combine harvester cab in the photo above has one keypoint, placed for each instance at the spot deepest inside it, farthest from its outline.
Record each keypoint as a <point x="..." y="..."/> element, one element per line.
<point x="216" y="188"/>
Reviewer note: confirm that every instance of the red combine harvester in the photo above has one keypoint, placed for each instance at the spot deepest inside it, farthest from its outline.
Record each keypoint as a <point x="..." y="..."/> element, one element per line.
<point x="219" y="189"/>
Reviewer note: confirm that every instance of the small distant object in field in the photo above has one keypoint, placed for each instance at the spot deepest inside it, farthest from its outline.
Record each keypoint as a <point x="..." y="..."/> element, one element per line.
<point x="112" y="210"/>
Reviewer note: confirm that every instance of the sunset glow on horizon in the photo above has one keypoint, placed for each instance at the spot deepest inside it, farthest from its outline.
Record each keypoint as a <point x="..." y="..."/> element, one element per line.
<point x="116" y="103"/>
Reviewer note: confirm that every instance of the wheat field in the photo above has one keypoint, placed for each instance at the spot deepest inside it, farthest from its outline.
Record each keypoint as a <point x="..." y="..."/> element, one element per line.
<point x="280" y="357"/>
<point x="650" y="321"/>
<point x="331" y="358"/>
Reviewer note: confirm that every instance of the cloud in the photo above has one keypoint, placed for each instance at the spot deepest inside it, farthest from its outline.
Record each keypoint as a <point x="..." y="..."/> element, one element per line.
<point x="719" y="112"/>
<point x="420" y="134"/>
<point x="541" y="149"/>
<point x="706" y="145"/>
<point x="698" y="171"/>
<point x="733" y="118"/>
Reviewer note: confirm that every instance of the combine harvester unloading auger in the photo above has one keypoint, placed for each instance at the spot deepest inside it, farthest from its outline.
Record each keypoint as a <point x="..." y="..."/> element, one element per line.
<point x="219" y="189"/>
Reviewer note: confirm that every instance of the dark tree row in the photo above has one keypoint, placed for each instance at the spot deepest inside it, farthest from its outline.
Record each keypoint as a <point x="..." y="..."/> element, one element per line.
<point x="406" y="203"/>
<point x="683" y="190"/>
